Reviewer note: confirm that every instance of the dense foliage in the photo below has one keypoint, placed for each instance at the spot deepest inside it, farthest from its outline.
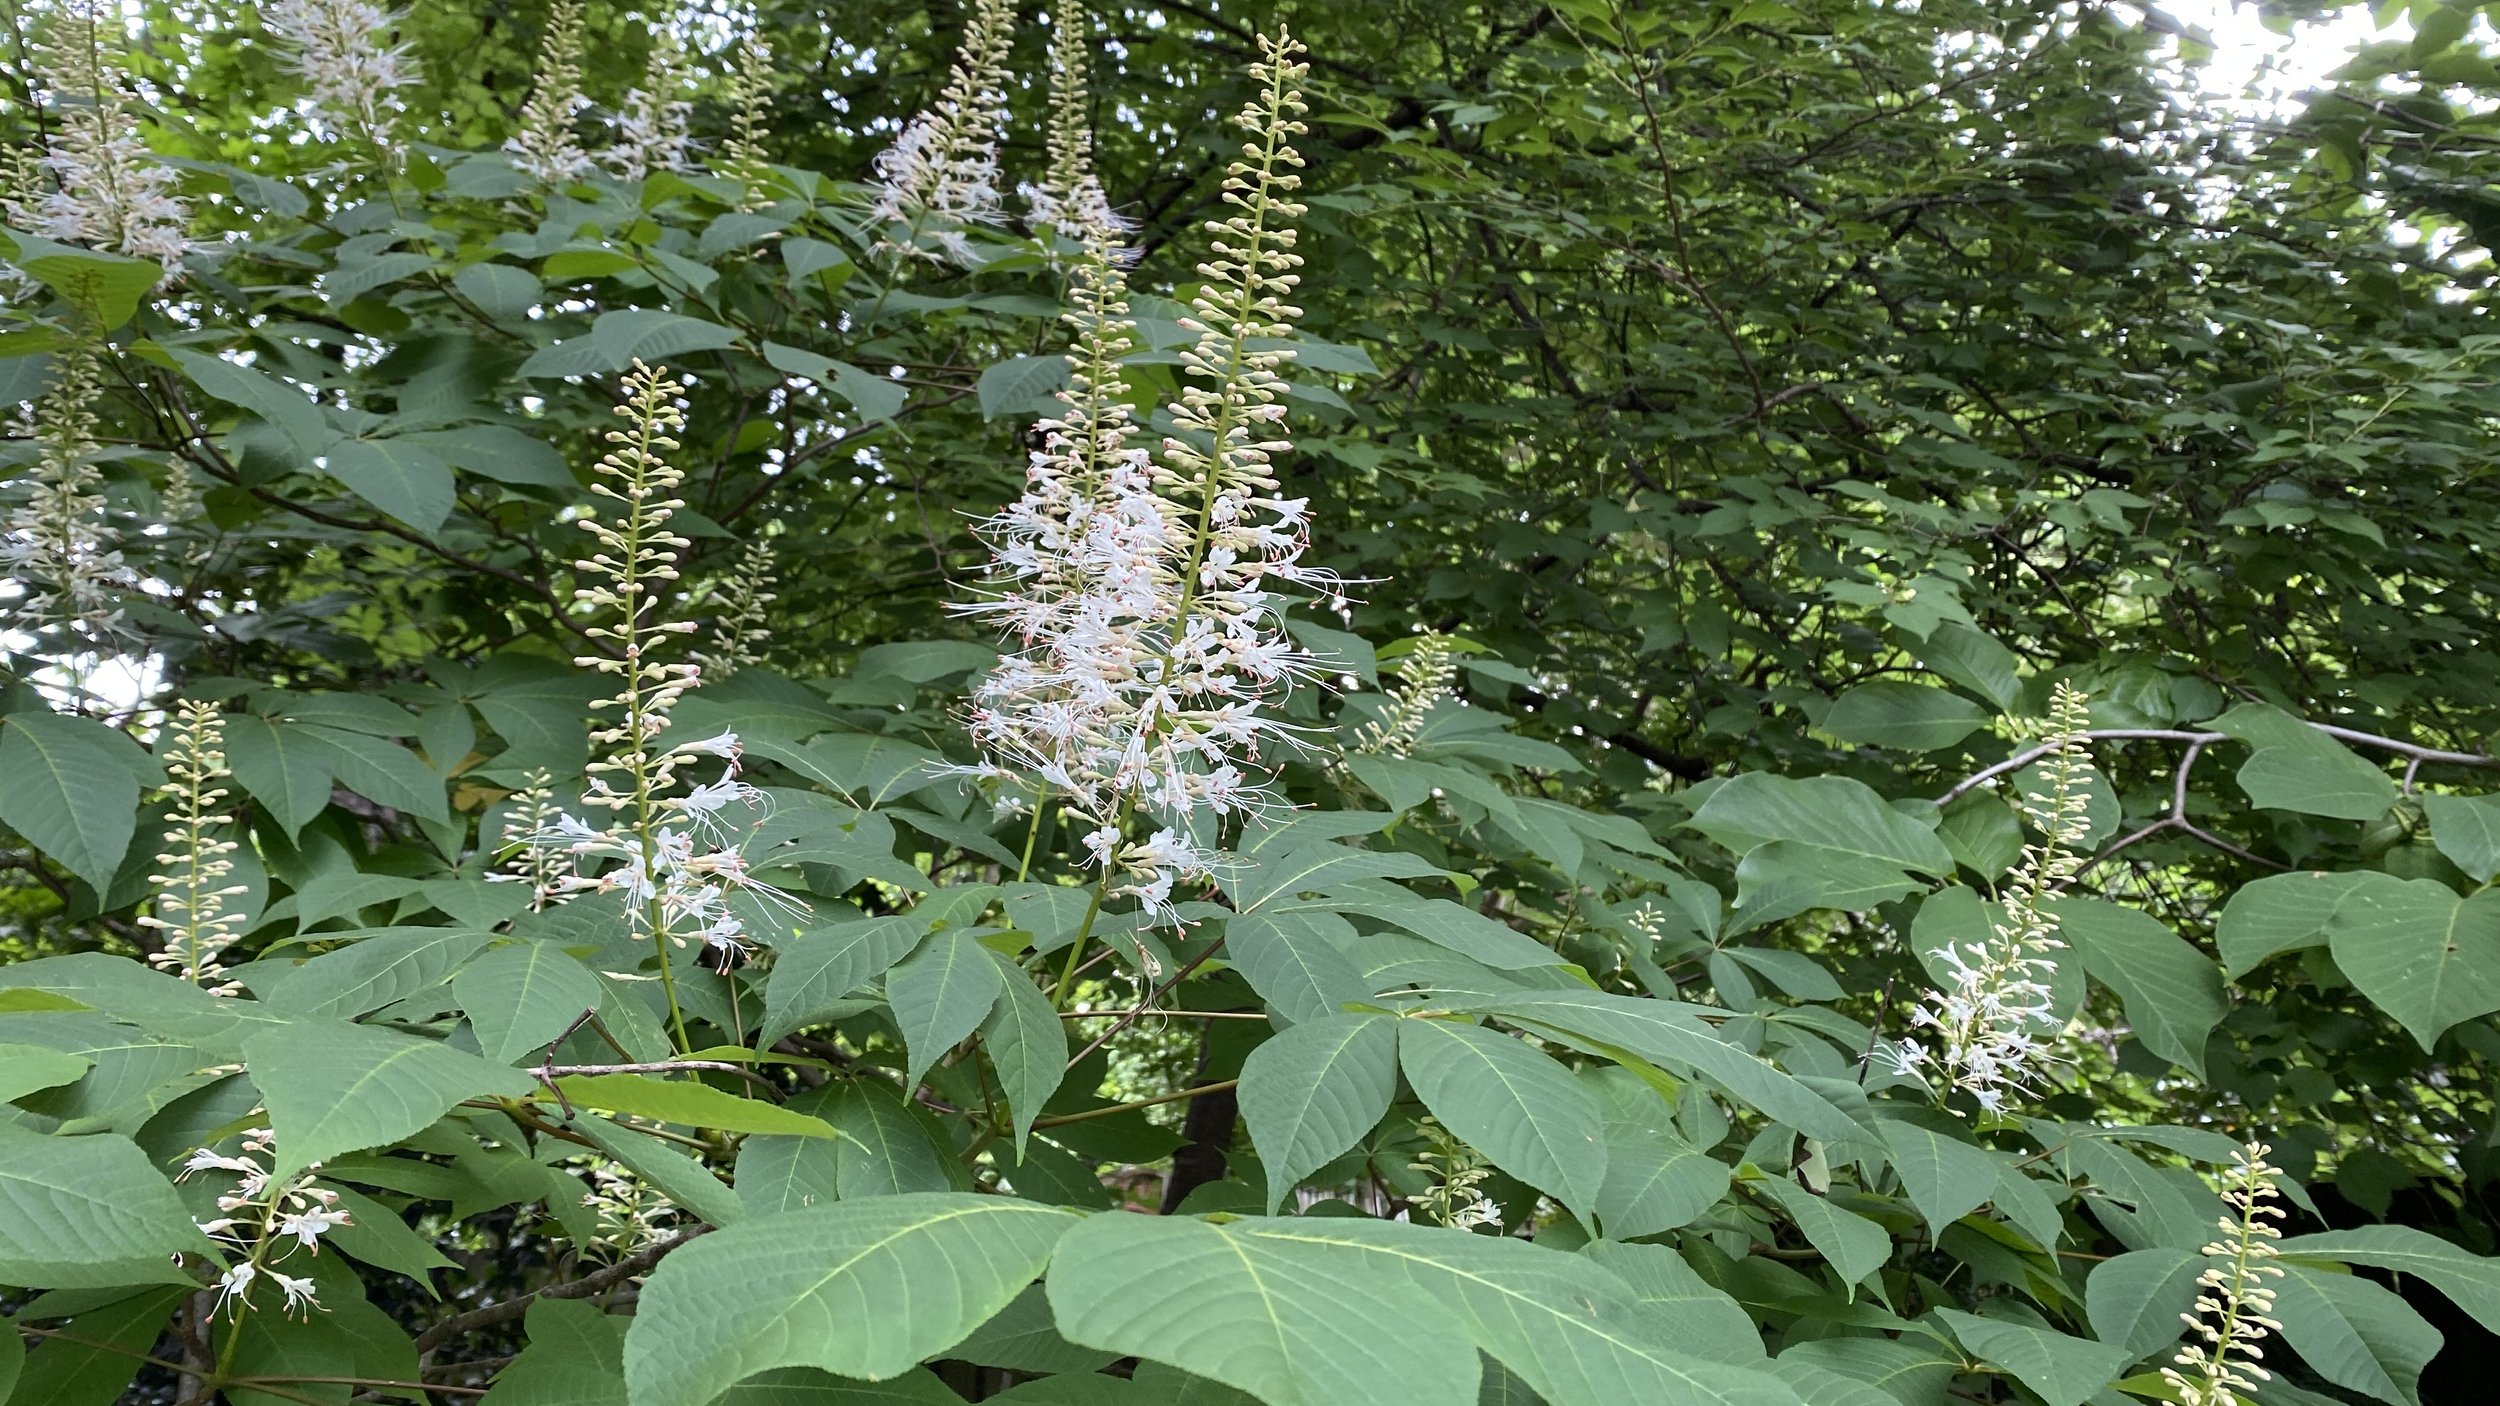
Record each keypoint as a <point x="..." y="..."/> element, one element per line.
<point x="1772" y="702"/>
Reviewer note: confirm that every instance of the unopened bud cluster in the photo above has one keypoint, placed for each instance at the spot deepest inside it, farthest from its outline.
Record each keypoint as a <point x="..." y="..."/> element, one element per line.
<point x="2233" y="1303"/>
<point x="191" y="916"/>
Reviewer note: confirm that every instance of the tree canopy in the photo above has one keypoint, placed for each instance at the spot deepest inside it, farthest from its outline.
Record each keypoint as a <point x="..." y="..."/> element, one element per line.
<point x="1768" y="702"/>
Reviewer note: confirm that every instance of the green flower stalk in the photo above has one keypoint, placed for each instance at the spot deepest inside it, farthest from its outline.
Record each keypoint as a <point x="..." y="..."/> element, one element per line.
<point x="545" y="147"/>
<point x="1990" y="1026"/>
<point x="2234" y="1303"/>
<point x="1070" y="200"/>
<point x="191" y="915"/>
<point x="739" y="633"/>
<point x="675" y="857"/>
<point x="58" y="543"/>
<point x="1423" y="684"/>
<point x="743" y="157"/>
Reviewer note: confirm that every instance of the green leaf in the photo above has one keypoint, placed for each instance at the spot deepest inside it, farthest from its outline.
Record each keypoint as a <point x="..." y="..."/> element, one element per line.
<point x="27" y="1068"/>
<point x="776" y="1174"/>
<point x="1310" y="1312"/>
<point x="1946" y="1176"/>
<point x="1655" y="1181"/>
<point x="105" y="288"/>
<point x="69" y="791"/>
<point x="1520" y="1108"/>
<point x="500" y="291"/>
<point x="522" y="995"/>
<point x="368" y="974"/>
<point x="813" y="971"/>
<point x="381" y="771"/>
<point x="1024" y="1338"/>
<point x="805" y="1386"/>
<point x="88" y="1212"/>
<point x="2355" y="1333"/>
<point x="284" y="767"/>
<point x="884" y="1150"/>
<point x="2471" y="1281"/>
<point x="873" y="397"/>
<point x="354" y="278"/>
<point x="2298" y="768"/>
<point x="1908" y="716"/>
<point x="93" y="1370"/>
<point x="1295" y="959"/>
<point x="1784" y="878"/>
<point x="2172" y="993"/>
<point x="1257" y="1312"/>
<point x="12" y="1359"/>
<point x="1696" y="1317"/>
<point x="2135" y="1300"/>
<point x="678" y="1176"/>
<point x="1028" y="1046"/>
<point x="408" y="480"/>
<point x="2281" y="913"/>
<point x="1856" y="1246"/>
<point x="618" y="339"/>
<point x="1442" y="923"/>
<point x="575" y="1357"/>
<point x="286" y="409"/>
<point x="333" y="1087"/>
<point x="2419" y="952"/>
<point x="2467" y="830"/>
<point x="861" y="1289"/>
<point x="2064" y="1370"/>
<point x="1020" y="385"/>
<point x="1311" y="1092"/>
<point x="1826" y="812"/>
<point x="687" y="1104"/>
<point x="940" y="994"/>
<point x="377" y="1236"/>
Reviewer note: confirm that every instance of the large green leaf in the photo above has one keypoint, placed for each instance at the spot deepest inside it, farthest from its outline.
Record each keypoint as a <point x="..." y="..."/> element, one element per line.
<point x="522" y="995"/>
<point x="2298" y="768"/>
<point x="1826" y="812"/>
<point x="1912" y="717"/>
<point x="814" y="970"/>
<point x="2172" y="992"/>
<point x="2282" y="913"/>
<point x="2471" y="1281"/>
<point x="2467" y="830"/>
<point x="2064" y="1370"/>
<point x="688" y="1104"/>
<point x="618" y="339"/>
<point x="105" y="288"/>
<point x="1946" y="1176"/>
<point x="284" y="767"/>
<point x="2135" y="1300"/>
<point x="875" y="398"/>
<point x="368" y="974"/>
<point x="575" y="1357"/>
<point x="1680" y="1303"/>
<point x="1028" y="1046"/>
<point x="1020" y="385"/>
<point x="408" y="480"/>
<point x="1295" y="959"/>
<point x="288" y="410"/>
<point x="1316" y="1312"/>
<point x="883" y="1150"/>
<point x="69" y="790"/>
<point x="1312" y="1091"/>
<point x="940" y="994"/>
<point x="98" y="1360"/>
<point x="332" y="1087"/>
<point x="1520" y="1108"/>
<point x="2355" y="1333"/>
<point x="679" y="1177"/>
<point x="2422" y="954"/>
<point x="1856" y="1246"/>
<point x="860" y="1289"/>
<point x="88" y="1212"/>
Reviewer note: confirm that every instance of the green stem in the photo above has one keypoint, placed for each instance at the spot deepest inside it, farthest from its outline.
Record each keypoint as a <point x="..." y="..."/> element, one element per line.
<point x="1024" y="866"/>
<point x="1076" y="947"/>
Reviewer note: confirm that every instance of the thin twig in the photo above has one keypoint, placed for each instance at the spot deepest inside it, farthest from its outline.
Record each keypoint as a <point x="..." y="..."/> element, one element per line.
<point x="2414" y="750"/>
<point x="1176" y="1015"/>
<point x="1124" y="1022"/>
<point x="1066" y="1118"/>
<point x="582" y="1288"/>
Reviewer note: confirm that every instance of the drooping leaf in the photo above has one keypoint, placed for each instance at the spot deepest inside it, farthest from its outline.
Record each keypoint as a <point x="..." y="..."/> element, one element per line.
<point x="2355" y="1333"/>
<point x="333" y="1087"/>
<point x="1312" y="1091"/>
<point x="1856" y="1246"/>
<point x="1911" y="717"/>
<point x="1028" y="1046"/>
<point x="816" y="969"/>
<point x="1825" y="812"/>
<point x="861" y="1289"/>
<point x="2172" y="992"/>
<point x="2135" y="1300"/>
<point x="2064" y="1370"/>
<point x="575" y="1357"/>
<point x="1295" y="959"/>
<point x="408" y="480"/>
<point x="940" y="994"/>
<point x="69" y="790"/>
<point x="1946" y="1177"/>
<point x="2281" y="913"/>
<point x="2471" y="1281"/>
<point x="522" y="995"/>
<point x="2423" y="955"/>
<point x="1518" y="1107"/>
<point x="78" y="1212"/>
<point x="687" y="1103"/>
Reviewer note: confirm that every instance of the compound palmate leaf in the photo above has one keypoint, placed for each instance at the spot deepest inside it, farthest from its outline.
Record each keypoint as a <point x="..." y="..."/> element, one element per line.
<point x="862" y="1289"/>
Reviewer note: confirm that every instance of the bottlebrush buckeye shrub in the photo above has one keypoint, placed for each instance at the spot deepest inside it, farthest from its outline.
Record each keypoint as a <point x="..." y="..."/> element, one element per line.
<point x="492" y="963"/>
